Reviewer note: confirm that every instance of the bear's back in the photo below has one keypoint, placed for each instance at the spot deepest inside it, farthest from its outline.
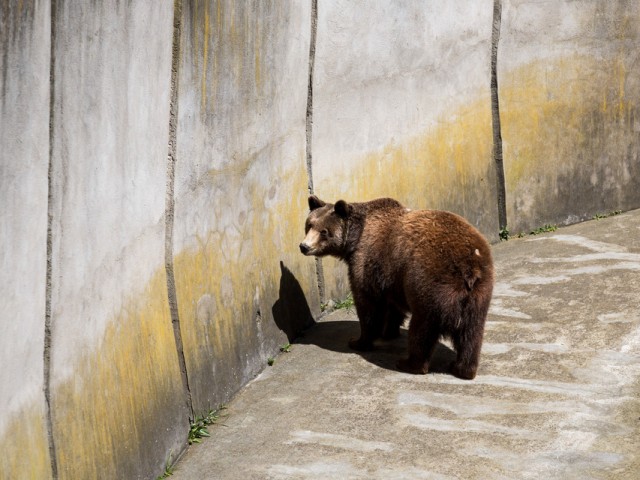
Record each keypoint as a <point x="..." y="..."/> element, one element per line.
<point x="446" y="246"/>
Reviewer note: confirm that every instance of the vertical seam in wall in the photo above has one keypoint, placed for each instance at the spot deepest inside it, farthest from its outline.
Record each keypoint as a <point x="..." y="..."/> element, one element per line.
<point x="495" y="117"/>
<point x="47" y="316"/>
<point x="170" y="203"/>
<point x="309" y="121"/>
<point x="309" y="129"/>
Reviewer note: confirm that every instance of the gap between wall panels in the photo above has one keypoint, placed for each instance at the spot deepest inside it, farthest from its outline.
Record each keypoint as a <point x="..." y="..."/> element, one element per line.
<point x="309" y="131"/>
<point x="170" y="203"/>
<point x="49" y="274"/>
<point x="495" y="117"/>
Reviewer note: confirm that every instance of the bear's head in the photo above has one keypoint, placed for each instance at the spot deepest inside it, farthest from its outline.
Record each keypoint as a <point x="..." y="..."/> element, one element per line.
<point x="325" y="228"/>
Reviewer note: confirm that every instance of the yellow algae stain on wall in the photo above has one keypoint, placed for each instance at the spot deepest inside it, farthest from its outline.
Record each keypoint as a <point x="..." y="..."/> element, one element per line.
<point x="569" y="140"/>
<point x="229" y="283"/>
<point x="24" y="446"/>
<point x="449" y="166"/>
<point x="124" y="408"/>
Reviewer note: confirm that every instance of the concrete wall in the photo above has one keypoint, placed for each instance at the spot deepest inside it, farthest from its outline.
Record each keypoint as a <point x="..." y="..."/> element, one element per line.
<point x="570" y="104"/>
<point x="402" y="105"/>
<point x="24" y="162"/>
<point x="116" y="393"/>
<point x="240" y="190"/>
<point x="156" y="162"/>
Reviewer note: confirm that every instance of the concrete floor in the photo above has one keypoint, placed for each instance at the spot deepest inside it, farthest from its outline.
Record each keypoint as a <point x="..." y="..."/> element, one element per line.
<point x="557" y="394"/>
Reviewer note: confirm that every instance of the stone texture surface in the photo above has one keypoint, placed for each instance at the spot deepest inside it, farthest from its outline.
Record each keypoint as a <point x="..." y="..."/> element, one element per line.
<point x="569" y="85"/>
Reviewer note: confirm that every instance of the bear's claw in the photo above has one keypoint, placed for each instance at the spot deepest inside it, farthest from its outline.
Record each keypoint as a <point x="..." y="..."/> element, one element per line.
<point x="462" y="373"/>
<point x="411" y="367"/>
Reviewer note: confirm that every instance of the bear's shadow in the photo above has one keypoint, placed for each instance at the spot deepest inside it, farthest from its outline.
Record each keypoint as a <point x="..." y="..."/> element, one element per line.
<point x="334" y="335"/>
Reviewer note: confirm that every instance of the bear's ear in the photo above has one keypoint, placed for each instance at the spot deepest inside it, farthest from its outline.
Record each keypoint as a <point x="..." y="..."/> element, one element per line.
<point x="315" y="202"/>
<point x="342" y="208"/>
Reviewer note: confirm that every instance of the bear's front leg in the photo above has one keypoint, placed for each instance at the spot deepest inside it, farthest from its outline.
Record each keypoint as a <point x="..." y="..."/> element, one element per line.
<point x="413" y="365"/>
<point x="371" y="319"/>
<point x="424" y="333"/>
<point x="393" y="319"/>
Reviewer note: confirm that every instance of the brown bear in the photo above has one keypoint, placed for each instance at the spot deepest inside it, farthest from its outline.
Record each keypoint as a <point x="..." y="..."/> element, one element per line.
<point x="429" y="263"/>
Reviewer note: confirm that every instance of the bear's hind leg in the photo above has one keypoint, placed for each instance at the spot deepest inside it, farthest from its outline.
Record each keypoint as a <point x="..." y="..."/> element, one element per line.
<point x="468" y="355"/>
<point x="467" y="340"/>
<point x="424" y="333"/>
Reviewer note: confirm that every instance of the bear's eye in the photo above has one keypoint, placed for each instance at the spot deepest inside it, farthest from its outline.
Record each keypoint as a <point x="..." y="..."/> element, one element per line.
<point x="324" y="233"/>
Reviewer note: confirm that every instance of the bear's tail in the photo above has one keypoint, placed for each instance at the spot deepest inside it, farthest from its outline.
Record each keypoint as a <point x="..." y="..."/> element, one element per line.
<point x="471" y="276"/>
<point x="475" y="298"/>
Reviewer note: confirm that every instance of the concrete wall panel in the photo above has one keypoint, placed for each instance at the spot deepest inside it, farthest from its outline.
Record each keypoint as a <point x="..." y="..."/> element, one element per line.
<point x="24" y="162"/>
<point x="402" y="107"/>
<point x="117" y="398"/>
<point x="569" y="90"/>
<point x="240" y="190"/>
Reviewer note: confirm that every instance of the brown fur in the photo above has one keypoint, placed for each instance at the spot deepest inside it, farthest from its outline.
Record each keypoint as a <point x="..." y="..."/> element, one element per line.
<point x="430" y="263"/>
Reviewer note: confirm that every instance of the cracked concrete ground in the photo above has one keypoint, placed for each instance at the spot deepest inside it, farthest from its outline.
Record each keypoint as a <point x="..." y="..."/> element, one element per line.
<point x="557" y="393"/>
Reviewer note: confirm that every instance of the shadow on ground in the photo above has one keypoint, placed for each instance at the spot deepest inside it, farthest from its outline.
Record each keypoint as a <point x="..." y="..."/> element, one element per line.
<point x="334" y="335"/>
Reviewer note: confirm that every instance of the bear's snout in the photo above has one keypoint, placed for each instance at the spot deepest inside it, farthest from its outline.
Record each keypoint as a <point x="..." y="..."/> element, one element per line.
<point x="304" y="248"/>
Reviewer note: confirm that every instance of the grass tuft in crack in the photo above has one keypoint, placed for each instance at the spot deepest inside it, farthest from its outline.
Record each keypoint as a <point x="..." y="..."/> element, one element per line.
<point x="333" y="305"/>
<point x="598" y="216"/>
<point x="544" y="229"/>
<point x="198" y="428"/>
<point x="346" y="303"/>
<point x="168" y="468"/>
